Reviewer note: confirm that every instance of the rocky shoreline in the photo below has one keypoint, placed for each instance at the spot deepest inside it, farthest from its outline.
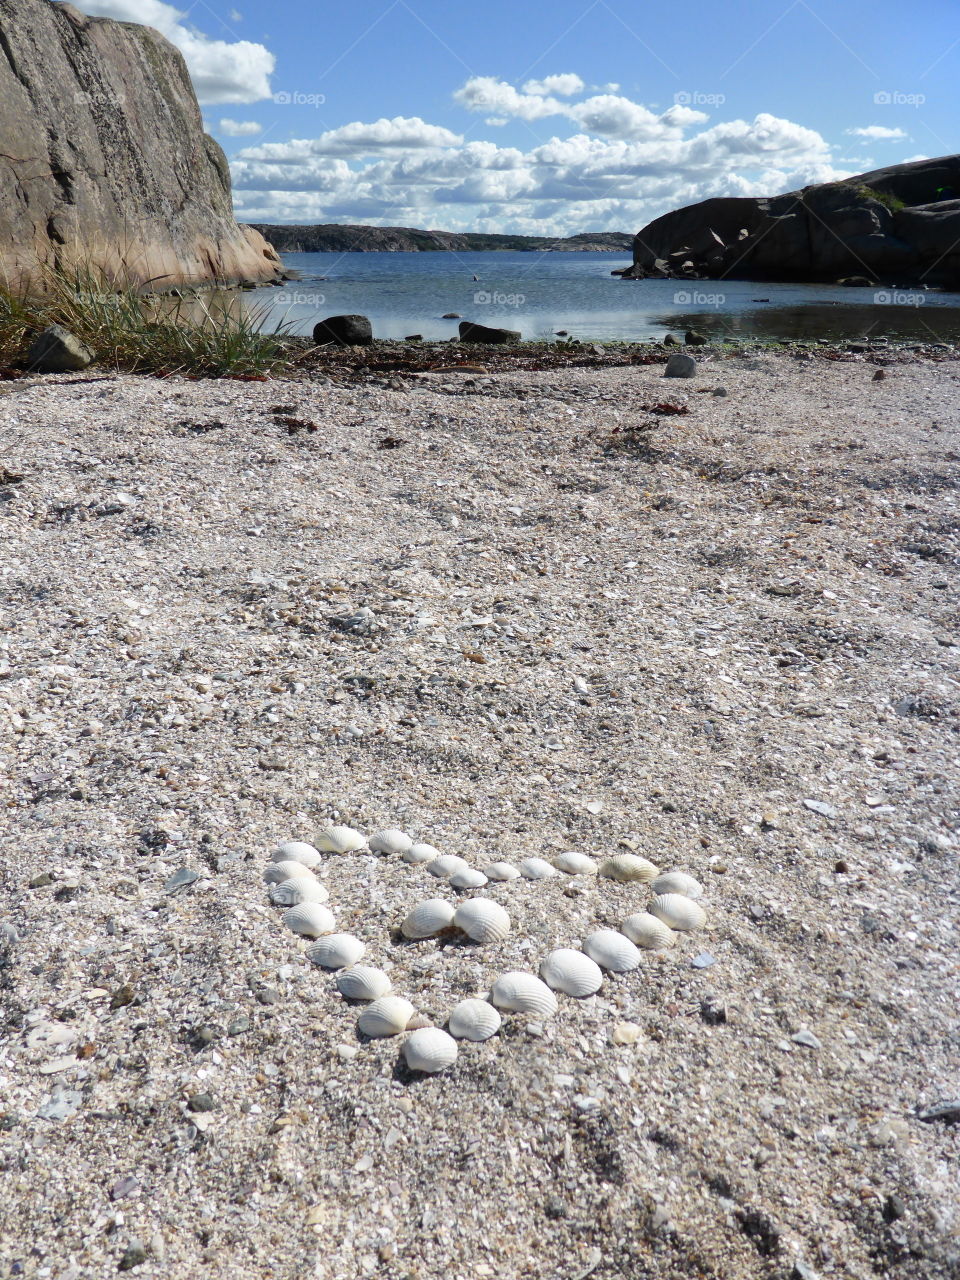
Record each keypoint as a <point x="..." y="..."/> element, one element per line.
<point x="712" y="622"/>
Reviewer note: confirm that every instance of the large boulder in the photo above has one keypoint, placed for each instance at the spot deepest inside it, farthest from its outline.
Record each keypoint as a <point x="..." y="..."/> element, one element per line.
<point x="104" y="162"/>
<point x="482" y="333"/>
<point x="900" y="223"/>
<point x="57" y="350"/>
<point x="345" y="331"/>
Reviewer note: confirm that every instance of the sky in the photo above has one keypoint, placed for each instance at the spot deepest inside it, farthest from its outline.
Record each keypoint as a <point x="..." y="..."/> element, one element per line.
<point x="553" y="119"/>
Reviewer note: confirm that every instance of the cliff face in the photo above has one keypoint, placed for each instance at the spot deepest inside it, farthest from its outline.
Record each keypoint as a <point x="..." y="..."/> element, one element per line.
<point x="103" y="158"/>
<point x="343" y="238"/>
<point x="901" y="224"/>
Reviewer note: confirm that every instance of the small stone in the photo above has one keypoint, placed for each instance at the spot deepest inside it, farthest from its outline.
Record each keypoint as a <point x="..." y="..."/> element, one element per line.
<point x="713" y="1011"/>
<point x="238" y="1025"/>
<point x="40" y="881"/>
<point x="818" y="806"/>
<point x="201" y="1102"/>
<point x="180" y="879"/>
<point x="57" y="350"/>
<point x="694" y="339"/>
<point x="124" y="1187"/>
<point x="703" y="961"/>
<point x="803" y="1271"/>
<point x="806" y="1038"/>
<point x="680" y="366"/>
<point x="948" y="1112"/>
<point x="133" y="1256"/>
<point x="267" y="995"/>
<point x="626" y="1033"/>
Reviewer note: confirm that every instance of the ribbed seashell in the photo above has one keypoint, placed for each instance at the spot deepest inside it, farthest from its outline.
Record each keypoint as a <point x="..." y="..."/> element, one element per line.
<point x="628" y="868"/>
<point x="390" y="840"/>
<point x="482" y="919"/>
<point x="678" y="912"/>
<point x="537" y="869"/>
<point x="474" y="1020"/>
<point x="648" y="932"/>
<point x="277" y="872"/>
<point x="612" y="950"/>
<point x="523" y="993"/>
<point x="571" y="972"/>
<point x="430" y="1050"/>
<point x="363" y="983"/>
<point x="298" y="889"/>
<point x="467" y="878"/>
<point x="340" y="840"/>
<point x="427" y="919"/>
<point x="445" y="865"/>
<point x="501" y="871"/>
<point x="387" y="1016"/>
<point x="310" y="919"/>
<point x="575" y="864"/>
<point x="677" y="882"/>
<point x="336" y="951"/>
<point x="419" y="852"/>
<point x="296" y="851"/>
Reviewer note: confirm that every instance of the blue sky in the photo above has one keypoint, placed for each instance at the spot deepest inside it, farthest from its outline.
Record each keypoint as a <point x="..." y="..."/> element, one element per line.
<point x="572" y="116"/>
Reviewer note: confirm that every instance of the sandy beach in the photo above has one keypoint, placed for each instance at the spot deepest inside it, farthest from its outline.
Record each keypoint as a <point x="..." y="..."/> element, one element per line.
<point x="713" y="622"/>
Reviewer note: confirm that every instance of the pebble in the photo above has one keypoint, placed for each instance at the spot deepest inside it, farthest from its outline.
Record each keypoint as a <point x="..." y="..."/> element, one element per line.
<point x="626" y="1033"/>
<point x="703" y="961"/>
<point x="806" y="1038"/>
<point x="133" y="1256"/>
<point x="238" y="1025"/>
<point x="180" y="879"/>
<point x="818" y="806"/>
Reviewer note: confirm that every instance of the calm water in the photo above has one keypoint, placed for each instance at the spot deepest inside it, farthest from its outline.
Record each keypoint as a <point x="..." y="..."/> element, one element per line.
<point x="406" y="293"/>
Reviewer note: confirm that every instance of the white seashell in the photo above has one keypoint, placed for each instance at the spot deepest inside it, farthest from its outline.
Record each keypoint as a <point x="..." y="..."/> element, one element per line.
<point x="390" y="840"/>
<point x="501" y="871"/>
<point x="468" y="878"/>
<point x="298" y="889"/>
<point x="648" y="932"/>
<point x="387" y="1016"/>
<point x="612" y="950"/>
<point x="678" y="912"/>
<point x="677" y="882"/>
<point x="575" y="864"/>
<point x="297" y="851"/>
<point x="523" y="993"/>
<point x="363" y="983"/>
<point x="430" y="1049"/>
<point x="340" y="840"/>
<point x="627" y="868"/>
<point x="277" y="872"/>
<point x="311" y="919"/>
<point x="571" y="972"/>
<point x="482" y="919"/>
<point x="420" y="853"/>
<point x="536" y="869"/>
<point x="336" y="951"/>
<point x="474" y="1020"/>
<point x="427" y="919"/>
<point x="445" y="865"/>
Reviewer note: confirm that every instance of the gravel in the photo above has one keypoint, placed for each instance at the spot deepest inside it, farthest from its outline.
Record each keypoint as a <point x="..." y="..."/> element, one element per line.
<point x="549" y="616"/>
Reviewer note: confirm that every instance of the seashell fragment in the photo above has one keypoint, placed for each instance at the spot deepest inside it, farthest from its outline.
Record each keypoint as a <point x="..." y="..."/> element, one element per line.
<point x="501" y="871"/>
<point x="612" y="951"/>
<point x="678" y="912"/>
<point x="277" y="872"/>
<point x="310" y="919"/>
<point x="427" y="919"/>
<point x="363" y="983"/>
<point x="482" y="919"/>
<point x="523" y="993"/>
<point x="677" y="882"/>
<point x="430" y="1050"/>
<point x="336" y="951"/>
<point x="474" y="1020"/>
<point x="648" y="932"/>
<point x="537" y="869"/>
<point x="420" y="853"/>
<point x="298" y="889"/>
<point x="390" y="840"/>
<point x="340" y="840"/>
<point x="575" y="864"/>
<point x="445" y="865"/>
<point x="387" y="1016"/>
<point x="297" y="851"/>
<point x="571" y="972"/>
<point x="467" y="878"/>
<point x="628" y="868"/>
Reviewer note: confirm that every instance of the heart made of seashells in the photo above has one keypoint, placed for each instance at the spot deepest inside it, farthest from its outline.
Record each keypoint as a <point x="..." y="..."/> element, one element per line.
<point x="576" y="973"/>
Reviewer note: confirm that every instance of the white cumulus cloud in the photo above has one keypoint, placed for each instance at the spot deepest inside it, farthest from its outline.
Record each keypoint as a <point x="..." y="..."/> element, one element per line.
<point x="878" y="133"/>
<point x="564" y="86"/>
<point x="239" y="128"/>
<point x="221" y="70"/>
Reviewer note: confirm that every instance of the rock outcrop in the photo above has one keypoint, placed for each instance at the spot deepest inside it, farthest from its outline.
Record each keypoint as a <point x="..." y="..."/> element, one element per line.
<point x="343" y="238"/>
<point x="103" y="158"/>
<point x="900" y="225"/>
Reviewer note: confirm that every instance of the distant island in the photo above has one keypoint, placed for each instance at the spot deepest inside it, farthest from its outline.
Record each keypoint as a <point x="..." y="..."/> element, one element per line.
<point x="334" y="238"/>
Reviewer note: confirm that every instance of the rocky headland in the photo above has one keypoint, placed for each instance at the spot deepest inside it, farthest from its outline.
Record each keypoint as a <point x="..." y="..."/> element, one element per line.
<point x="105" y="166"/>
<point x="332" y="238"/>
